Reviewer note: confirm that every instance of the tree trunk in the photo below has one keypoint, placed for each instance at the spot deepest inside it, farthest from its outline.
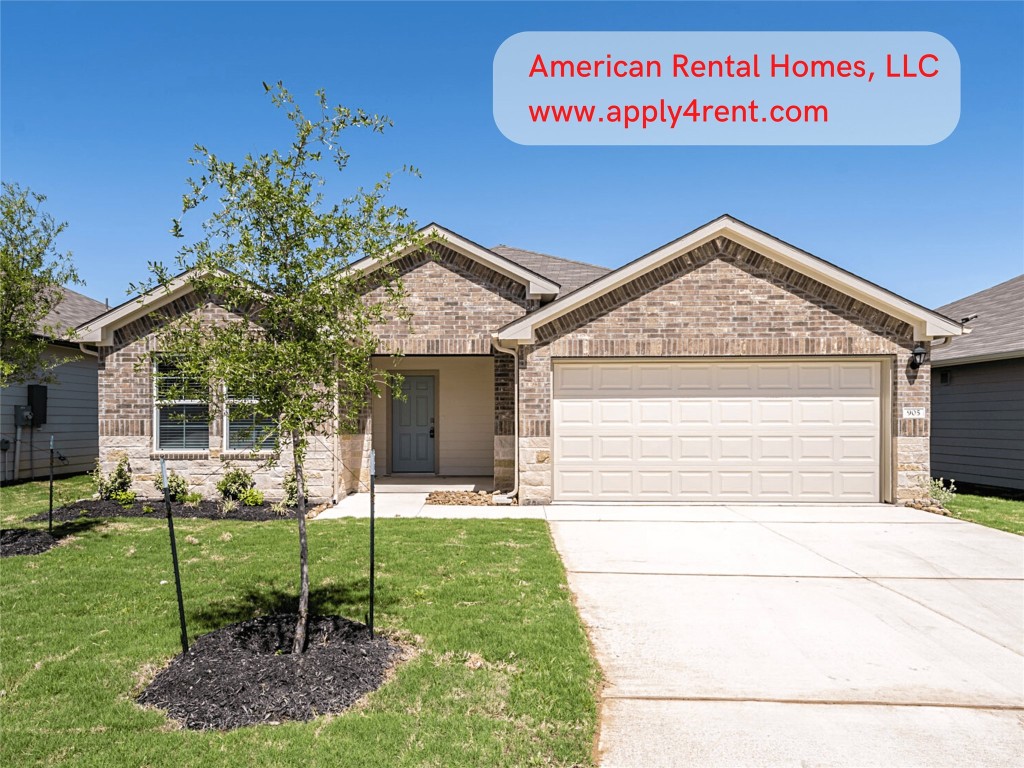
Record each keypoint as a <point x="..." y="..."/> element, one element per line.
<point x="299" y="646"/>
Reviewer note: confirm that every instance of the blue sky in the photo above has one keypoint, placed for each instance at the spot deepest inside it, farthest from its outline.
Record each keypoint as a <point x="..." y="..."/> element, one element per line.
<point x="101" y="104"/>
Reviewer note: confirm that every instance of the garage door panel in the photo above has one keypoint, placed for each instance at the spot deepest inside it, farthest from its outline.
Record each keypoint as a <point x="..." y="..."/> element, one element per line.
<point x="654" y="412"/>
<point x="616" y="448"/>
<point x="786" y="431"/>
<point x="574" y="413"/>
<point x="657" y="448"/>
<point x="614" y="378"/>
<point x="654" y="484"/>
<point x="735" y="411"/>
<point x="614" y="413"/>
<point x="575" y="448"/>
<point x="775" y="448"/>
<point x="738" y="448"/>
<point x="694" y="412"/>
<point x="697" y="447"/>
<point x="696" y="484"/>
<point x="655" y="378"/>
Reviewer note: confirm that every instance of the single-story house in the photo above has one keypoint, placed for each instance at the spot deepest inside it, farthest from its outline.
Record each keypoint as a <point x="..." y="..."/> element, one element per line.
<point x="725" y="366"/>
<point x="978" y="392"/>
<point x="65" y="406"/>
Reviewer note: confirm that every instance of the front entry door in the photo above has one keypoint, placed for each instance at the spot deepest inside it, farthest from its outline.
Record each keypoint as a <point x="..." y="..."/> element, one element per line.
<point x="412" y="421"/>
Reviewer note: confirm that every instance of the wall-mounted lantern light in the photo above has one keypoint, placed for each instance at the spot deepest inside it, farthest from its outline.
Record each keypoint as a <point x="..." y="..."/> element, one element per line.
<point x="917" y="357"/>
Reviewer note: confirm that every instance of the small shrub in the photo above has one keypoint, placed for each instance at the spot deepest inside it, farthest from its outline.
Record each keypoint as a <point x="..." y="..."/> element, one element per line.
<point x="147" y="509"/>
<point x="291" y="490"/>
<point x="177" y="486"/>
<point x="279" y="508"/>
<point x="192" y="499"/>
<point x="251" y="497"/>
<point x="235" y="483"/>
<point x="125" y="498"/>
<point x="118" y="481"/>
<point x="227" y="507"/>
<point x="940" y="492"/>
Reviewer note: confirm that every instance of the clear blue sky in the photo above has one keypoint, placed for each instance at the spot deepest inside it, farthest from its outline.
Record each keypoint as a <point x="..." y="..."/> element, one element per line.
<point x="101" y="104"/>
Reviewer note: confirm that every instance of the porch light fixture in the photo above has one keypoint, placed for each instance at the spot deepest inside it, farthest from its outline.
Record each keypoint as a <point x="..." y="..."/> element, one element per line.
<point x="917" y="357"/>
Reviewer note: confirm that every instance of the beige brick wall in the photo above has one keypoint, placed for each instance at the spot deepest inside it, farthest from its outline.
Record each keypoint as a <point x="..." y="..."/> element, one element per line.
<point x="722" y="300"/>
<point x="126" y="404"/>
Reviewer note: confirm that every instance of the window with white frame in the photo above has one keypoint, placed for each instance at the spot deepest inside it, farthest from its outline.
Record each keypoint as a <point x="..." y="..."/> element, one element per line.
<point x="182" y="420"/>
<point x="247" y="429"/>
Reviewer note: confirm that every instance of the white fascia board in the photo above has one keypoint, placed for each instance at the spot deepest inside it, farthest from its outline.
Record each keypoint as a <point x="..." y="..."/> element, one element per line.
<point x="537" y="287"/>
<point x="927" y="325"/>
<point x="100" y="330"/>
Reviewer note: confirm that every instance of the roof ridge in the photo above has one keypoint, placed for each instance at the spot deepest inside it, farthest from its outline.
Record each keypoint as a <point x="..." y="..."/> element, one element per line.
<point x="549" y="256"/>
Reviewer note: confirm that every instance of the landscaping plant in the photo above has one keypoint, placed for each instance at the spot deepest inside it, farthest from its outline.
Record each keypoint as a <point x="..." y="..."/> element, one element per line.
<point x="235" y="483"/>
<point x="118" y="484"/>
<point x="274" y="253"/>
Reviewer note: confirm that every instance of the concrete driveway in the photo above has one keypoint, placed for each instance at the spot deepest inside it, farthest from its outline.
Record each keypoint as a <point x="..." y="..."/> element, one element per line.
<point x="796" y="636"/>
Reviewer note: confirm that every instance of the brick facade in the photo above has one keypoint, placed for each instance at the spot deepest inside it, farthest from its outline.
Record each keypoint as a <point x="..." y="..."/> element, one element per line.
<point x="721" y="300"/>
<point x="126" y="409"/>
<point x="455" y="304"/>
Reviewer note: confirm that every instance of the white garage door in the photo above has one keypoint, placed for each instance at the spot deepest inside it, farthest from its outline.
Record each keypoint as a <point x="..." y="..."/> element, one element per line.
<point x="717" y="431"/>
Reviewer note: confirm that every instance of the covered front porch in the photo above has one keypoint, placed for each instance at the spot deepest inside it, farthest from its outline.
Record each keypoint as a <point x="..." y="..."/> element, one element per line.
<point x="451" y="428"/>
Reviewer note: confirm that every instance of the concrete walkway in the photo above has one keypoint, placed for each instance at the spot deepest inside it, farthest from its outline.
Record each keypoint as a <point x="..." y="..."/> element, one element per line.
<point x="790" y="636"/>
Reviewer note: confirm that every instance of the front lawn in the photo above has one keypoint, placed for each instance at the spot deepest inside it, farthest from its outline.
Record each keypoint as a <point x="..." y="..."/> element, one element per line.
<point x="994" y="512"/>
<point x="19" y="501"/>
<point x="503" y="675"/>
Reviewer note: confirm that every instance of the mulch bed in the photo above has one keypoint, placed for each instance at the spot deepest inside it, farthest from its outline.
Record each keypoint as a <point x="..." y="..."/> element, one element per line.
<point x="24" y="541"/>
<point x="209" y="510"/>
<point x="245" y="674"/>
<point x="461" y="498"/>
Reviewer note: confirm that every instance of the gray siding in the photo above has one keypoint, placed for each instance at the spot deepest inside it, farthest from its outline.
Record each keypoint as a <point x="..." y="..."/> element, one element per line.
<point x="72" y="418"/>
<point x="978" y="423"/>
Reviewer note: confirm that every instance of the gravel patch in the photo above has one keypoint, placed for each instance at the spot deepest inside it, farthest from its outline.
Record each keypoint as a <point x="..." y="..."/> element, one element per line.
<point x="245" y="674"/>
<point x="462" y="498"/>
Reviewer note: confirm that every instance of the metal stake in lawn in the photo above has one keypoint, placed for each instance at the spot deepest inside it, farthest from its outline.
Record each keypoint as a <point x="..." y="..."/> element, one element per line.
<point x="373" y="475"/>
<point x="50" y="523"/>
<point x="174" y="556"/>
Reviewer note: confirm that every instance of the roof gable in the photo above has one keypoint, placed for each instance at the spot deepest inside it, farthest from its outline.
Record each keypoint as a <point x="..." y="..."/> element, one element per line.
<point x="926" y="323"/>
<point x="537" y="286"/>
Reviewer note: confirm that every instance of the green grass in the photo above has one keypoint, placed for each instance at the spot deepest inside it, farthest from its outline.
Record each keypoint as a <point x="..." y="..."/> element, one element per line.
<point x="20" y="501"/>
<point x="83" y="624"/>
<point x="993" y="512"/>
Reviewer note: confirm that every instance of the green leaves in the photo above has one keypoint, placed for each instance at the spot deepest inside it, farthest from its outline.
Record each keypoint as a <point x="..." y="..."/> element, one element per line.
<point x="278" y="311"/>
<point x="32" y="274"/>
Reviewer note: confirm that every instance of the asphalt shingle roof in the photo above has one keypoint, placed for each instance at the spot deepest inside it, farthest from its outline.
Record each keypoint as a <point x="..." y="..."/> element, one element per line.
<point x="569" y="274"/>
<point x="73" y="310"/>
<point x="998" y="329"/>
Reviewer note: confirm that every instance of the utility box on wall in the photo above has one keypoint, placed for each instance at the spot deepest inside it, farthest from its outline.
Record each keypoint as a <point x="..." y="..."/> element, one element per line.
<point x="37" y="403"/>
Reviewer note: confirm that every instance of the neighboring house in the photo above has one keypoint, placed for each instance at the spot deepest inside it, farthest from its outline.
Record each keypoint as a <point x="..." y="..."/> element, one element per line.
<point x="725" y="366"/>
<point x="71" y="404"/>
<point x="978" y="392"/>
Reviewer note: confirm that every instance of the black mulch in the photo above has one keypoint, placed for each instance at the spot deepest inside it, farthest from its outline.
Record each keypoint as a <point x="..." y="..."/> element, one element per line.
<point x="24" y="541"/>
<point x="245" y="674"/>
<point x="210" y="510"/>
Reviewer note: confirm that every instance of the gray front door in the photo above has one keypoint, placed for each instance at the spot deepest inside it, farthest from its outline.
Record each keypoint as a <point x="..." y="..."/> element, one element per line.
<point x="412" y="439"/>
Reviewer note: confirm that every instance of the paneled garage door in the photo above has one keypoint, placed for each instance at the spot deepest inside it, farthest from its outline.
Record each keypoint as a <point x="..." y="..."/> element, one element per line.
<point x="717" y="431"/>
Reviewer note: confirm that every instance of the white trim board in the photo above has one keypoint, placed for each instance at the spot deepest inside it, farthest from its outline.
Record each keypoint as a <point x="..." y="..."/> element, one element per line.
<point x="927" y="324"/>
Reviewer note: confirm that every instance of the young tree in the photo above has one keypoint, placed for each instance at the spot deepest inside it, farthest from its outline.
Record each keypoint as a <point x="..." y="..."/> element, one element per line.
<point x="32" y="273"/>
<point x="275" y="254"/>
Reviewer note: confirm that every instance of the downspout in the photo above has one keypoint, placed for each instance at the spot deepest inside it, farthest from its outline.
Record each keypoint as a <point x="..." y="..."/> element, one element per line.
<point x="514" y="351"/>
<point x="90" y="352"/>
